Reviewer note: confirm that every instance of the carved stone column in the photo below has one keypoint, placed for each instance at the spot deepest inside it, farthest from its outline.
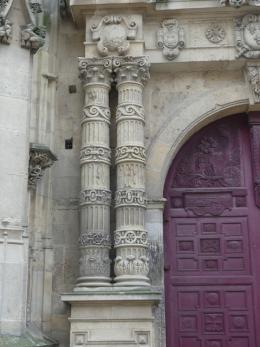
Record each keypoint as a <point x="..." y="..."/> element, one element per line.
<point x="131" y="263"/>
<point x="95" y="196"/>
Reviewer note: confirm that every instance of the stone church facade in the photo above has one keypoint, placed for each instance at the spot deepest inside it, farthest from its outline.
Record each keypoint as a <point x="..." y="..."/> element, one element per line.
<point x="130" y="175"/>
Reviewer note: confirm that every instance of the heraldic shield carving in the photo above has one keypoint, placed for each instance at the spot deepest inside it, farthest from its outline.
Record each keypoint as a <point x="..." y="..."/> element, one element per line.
<point x="170" y="38"/>
<point x="247" y="31"/>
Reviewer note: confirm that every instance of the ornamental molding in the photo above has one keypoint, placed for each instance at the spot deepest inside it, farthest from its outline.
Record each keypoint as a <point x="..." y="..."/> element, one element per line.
<point x="129" y="112"/>
<point x="93" y="112"/>
<point x="239" y="3"/>
<point x="94" y="239"/>
<point x="112" y="34"/>
<point x="253" y="79"/>
<point x="247" y="31"/>
<point x="95" y="196"/>
<point x="131" y="197"/>
<point x="131" y="237"/>
<point x="170" y="38"/>
<point x="41" y="158"/>
<point x="130" y="153"/>
<point x="215" y="33"/>
<point x="33" y="37"/>
<point x="99" y="154"/>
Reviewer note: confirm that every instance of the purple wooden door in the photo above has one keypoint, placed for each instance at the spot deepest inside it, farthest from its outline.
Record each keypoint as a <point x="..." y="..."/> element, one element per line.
<point x="212" y="241"/>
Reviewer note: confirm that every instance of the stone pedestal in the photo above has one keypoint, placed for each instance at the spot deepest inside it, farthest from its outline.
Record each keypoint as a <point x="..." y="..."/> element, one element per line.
<point x="112" y="318"/>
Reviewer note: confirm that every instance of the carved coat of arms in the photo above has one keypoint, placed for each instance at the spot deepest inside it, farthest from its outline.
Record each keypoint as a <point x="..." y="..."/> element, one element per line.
<point x="248" y="36"/>
<point x="170" y="38"/>
<point x="112" y="34"/>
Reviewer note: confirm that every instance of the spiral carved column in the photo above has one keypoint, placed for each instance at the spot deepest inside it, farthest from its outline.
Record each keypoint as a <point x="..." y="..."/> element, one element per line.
<point x="95" y="196"/>
<point x="131" y="241"/>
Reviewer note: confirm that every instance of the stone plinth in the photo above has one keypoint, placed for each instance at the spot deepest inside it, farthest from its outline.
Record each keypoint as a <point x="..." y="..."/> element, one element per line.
<point x="112" y="318"/>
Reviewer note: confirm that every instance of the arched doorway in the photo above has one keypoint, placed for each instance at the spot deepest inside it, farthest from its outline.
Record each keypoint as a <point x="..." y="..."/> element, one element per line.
<point x="212" y="239"/>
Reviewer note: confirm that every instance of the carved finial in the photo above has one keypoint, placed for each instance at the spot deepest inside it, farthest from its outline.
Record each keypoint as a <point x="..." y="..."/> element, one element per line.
<point x="170" y="38"/>
<point x="112" y="35"/>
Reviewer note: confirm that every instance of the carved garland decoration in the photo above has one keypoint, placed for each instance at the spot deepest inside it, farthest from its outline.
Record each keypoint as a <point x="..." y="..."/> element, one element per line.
<point x="95" y="153"/>
<point x="128" y="153"/>
<point x="132" y="237"/>
<point x="95" y="196"/>
<point x="130" y="197"/>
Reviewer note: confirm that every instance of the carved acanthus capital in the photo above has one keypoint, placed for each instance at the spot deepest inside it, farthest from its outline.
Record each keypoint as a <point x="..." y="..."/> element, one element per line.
<point x="253" y="78"/>
<point x="41" y="158"/>
<point x="33" y="37"/>
<point x="247" y="31"/>
<point x="95" y="70"/>
<point x="170" y="38"/>
<point x="112" y="34"/>
<point x="131" y="69"/>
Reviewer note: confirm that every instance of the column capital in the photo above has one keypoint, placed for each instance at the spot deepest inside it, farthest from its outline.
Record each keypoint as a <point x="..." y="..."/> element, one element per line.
<point x="131" y="69"/>
<point x="95" y="70"/>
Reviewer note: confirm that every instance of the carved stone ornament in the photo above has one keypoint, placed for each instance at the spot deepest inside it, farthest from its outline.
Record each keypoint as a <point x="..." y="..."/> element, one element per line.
<point x="247" y="30"/>
<point x="112" y="35"/>
<point x="95" y="70"/>
<point x="254" y="122"/>
<point x="5" y="30"/>
<point x="215" y="33"/>
<point x="5" y="24"/>
<point x="41" y="158"/>
<point x="170" y="38"/>
<point x="238" y="3"/>
<point x="253" y="77"/>
<point x="33" y="37"/>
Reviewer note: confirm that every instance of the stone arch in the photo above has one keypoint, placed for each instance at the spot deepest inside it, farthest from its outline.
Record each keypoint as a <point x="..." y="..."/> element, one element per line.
<point x="169" y="140"/>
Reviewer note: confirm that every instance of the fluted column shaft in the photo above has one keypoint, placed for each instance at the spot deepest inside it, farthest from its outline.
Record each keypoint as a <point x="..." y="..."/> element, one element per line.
<point x="95" y="196"/>
<point x="131" y="263"/>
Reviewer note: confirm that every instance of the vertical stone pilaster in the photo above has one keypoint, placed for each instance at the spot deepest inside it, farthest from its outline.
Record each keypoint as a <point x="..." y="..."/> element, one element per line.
<point x="95" y="196"/>
<point x="131" y="241"/>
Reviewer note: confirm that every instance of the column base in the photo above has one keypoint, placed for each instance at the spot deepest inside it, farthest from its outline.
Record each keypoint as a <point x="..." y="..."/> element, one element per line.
<point x="136" y="281"/>
<point x="112" y="317"/>
<point x="84" y="282"/>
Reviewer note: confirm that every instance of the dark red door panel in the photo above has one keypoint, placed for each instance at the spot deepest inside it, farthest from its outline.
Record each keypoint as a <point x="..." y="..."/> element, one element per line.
<point x="212" y="241"/>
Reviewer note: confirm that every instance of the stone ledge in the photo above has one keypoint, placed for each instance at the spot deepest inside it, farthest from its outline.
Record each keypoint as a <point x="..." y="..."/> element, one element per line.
<point x="113" y="295"/>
